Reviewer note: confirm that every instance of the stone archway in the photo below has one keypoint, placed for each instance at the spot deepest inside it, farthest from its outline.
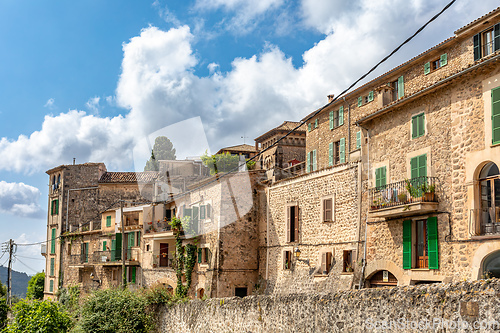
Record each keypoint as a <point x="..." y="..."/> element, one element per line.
<point x="377" y="266"/>
<point x="482" y="253"/>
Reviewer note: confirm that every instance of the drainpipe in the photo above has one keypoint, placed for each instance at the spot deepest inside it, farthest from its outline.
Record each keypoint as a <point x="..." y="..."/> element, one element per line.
<point x="348" y="130"/>
<point x="267" y="236"/>
<point x="362" y="276"/>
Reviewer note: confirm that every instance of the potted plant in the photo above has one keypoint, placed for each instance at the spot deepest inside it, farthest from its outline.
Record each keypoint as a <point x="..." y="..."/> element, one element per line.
<point x="414" y="191"/>
<point x="428" y="192"/>
<point x="375" y="204"/>
<point x="402" y="197"/>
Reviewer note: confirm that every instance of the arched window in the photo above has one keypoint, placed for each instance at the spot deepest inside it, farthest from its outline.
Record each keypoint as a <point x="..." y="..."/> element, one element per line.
<point x="489" y="180"/>
<point x="491" y="266"/>
<point x="58" y="180"/>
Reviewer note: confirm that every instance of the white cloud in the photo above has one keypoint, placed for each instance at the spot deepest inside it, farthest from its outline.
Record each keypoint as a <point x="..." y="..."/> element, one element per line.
<point x="19" y="199"/>
<point x="50" y="103"/>
<point x="28" y="258"/>
<point x="93" y="104"/>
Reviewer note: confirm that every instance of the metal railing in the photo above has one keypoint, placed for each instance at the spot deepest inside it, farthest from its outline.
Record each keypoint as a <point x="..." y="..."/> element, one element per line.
<point x="421" y="189"/>
<point x="479" y="225"/>
<point x="101" y="257"/>
<point x="161" y="226"/>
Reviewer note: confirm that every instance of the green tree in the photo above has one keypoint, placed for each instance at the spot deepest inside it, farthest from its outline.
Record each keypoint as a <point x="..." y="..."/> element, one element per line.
<point x="35" y="286"/>
<point x="223" y="162"/>
<point x="163" y="149"/>
<point x="39" y="316"/>
<point x="115" y="310"/>
<point x="4" y="308"/>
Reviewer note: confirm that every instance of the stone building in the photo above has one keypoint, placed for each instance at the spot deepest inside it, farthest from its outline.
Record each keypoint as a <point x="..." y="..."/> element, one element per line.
<point x="244" y="150"/>
<point x="287" y="157"/>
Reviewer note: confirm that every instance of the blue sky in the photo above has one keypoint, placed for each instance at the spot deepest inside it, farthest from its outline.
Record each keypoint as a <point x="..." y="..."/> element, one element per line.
<point x="88" y="79"/>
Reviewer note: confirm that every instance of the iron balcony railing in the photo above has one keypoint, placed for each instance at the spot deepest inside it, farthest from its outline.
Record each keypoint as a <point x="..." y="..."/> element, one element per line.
<point x="160" y="226"/>
<point x="421" y="189"/>
<point x="101" y="257"/>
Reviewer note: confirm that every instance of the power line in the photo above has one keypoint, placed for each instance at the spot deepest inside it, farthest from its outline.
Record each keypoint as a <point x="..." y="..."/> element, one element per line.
<point x="28" y="258"/>
<point x="31" y="269"/>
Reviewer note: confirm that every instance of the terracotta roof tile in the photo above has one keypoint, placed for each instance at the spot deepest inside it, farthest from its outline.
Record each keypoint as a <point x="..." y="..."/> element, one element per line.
<point x="129" y="177"/>
<point x="243" y="147"/>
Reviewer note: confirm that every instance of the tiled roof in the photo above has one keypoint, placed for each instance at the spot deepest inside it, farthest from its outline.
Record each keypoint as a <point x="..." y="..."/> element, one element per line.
<point x="129" y="177"/>
<point x="286" y="126"/>
<point x="243" y="147"/>
<point x="477" y="20"/>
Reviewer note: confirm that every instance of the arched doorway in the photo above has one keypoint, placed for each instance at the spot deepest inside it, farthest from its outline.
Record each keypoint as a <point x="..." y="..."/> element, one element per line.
<point x="200" y="293"/>
<point x="489" y="182"/>
<point x="491" y="266"/>
<point x="383" y="279"/>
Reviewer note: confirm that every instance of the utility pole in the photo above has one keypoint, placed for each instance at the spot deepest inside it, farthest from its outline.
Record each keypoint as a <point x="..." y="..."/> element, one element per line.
<point x="9" y="274"/>
<point x="124" y="270"/>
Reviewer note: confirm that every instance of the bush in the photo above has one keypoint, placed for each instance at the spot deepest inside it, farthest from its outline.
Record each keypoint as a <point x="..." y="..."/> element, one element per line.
<point x="39" y="316"/>
<point x="158" y="294"/>
<point x="35" y="286"/>
<point x="115" y="310"/>
<point x="4" y="308"/>
<point x="69" y="298"/>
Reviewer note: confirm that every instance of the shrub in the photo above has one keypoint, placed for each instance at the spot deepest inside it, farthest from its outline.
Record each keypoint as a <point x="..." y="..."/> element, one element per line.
<point x="39" y="316"/>
<point x="69" y="297"/>
<point x="115" y="310"/>
<point x="35" y="286"/>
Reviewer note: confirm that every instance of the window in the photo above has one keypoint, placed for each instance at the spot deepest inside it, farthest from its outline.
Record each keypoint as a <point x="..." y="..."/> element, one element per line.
<point x="418" y="166"/>
<point x="417" y="126"/>
<point x="337" y="118"/>
<point x="486" y="42"/>
<point x="436" y="64"/>
<point x="292" y="225"/>
<point x="360" y="101"/>
<point x="311" y="161"/>
<point x="328" y="210"/>
<point x="495" y="115"/>
<point x="240" y="292"/>
<point x="347" y="261"/>
<point x="336" y="152"/>
<point x="55" y="207"/>
<point x="203" y="255"/>
<point x="370" y="96"/>
<point x="326" y="262"/>
<point x="420" y="244"/>
<point x="53" y="242"/>
<point x="131" y="274"/>
<point x="51" y="286"/>
<point x="138" y="238"/>
<point x="202" y="212"/>
<point x="489" y="180"/>
<point x="398" y="89"/>
<point x="114" y="275"/>
<point x="84" y="254"/>
<point x="287" y="259"/>
<point x="52" y="264"/>
<point x="316" y="123"/>
<point x="380" y="177"/>
<point x="358" y="139"/>
<point x="309" y="127"/>
<point x="108" y="221"/>
<point x="208" y="211"/>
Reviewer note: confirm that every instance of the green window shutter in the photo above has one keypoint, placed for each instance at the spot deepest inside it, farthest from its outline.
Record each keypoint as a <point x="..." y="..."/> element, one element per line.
<point x="51" y="285"/>
<point x="187" y="212"/>
<point x="407" y="244"/>
<point x="208" y="210"/>
<point x="133" y="268"/>
<point x="495" y="115"/>
<point x="315" y="164"/>
<point x="360" y="100"/>
<point x="113" y="250"/>
<point x="432" y="242"/>
<point x="414" y="127"/>
<point x="316" y="123"/>
<point x="427" y="68"/>
<point x="443" y="60"/>
<point x="104" y="243"/>
<point x="202" y="212"/>
<point x="130" y="239"/>
<point x="401" y="87"/>
<point x="341" y="115"/>
<point x="477" y="46"/>
<point x="414" y="167"/>
<point x="309" y="127"/>
<point x="331" y="119"/>
<point x="342" y="150"/>
<point x="52" y="262"/>
<point x="330" y="154"/>
<point x="196" y="212"/>
<point x="358" y="139"/>
<point x="199" y="256"/>
<point x="496" y="37"/>
<point x="308" y="163"/>
<point x="377" y="177"/>
<point x="53" y="241"/>
<point x="370" y="96"/>
<point x="138" y="238"/>
<point x="417" y="126"/>
<point x="57" y="207"/>
<point x="422" y="166"/>
<point x="108" y="221"/>
<point x="118" y="247"/>
<point x="421" y="124"/>
<point x="380" y="177"/>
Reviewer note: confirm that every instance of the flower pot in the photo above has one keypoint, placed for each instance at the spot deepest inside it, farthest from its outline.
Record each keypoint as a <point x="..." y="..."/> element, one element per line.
<point x="428" y="197"/>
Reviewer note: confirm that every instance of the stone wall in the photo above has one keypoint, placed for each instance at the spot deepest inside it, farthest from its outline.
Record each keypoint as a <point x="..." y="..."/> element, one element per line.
<point x="449" y="305"/>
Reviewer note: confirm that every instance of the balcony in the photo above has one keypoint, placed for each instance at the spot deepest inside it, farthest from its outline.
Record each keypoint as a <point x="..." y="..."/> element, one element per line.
<point x="404" y="198"/>
<point x="157" y="227"/>
<point x="112" y="257"/>
<point x="162" y="260"/>
<point x="485" y="222"/>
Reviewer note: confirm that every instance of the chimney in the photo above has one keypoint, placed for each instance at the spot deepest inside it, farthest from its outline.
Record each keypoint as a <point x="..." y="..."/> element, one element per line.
<point x="330" y="98"/>
<point x="74" y="159"/>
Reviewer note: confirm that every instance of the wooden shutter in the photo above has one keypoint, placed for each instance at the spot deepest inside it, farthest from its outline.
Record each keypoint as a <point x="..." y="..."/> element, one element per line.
<point x="199" y="256"/>
<point x="133" y="268"/>
<point x="414" y="167"/>
<point x="57" y="207"/>
<point x="187" y="212"/>
<point x="316" y="123"/>
<point x="422" y="165"/>
<point x="331" y="119"/>
<point x="330" y="154"/>
<point x="496" y="37"/>
<point x="138" y="243"/>
<point x="477" y="46"/>
<point x="323" y="264"/>
<point x="315" y="164"/>
<point x="327" y="210"/>
<point x="443" y="60"/>
<point x="51" y="285"/>
<point x="296" y="224"/>
<point x="202" y="212"/>
<point x="118" y="249"/>
<point x="308" y="163"/>
<point x="401" y="87"/>
<point x="370" y="96"/>
<point x="309" y="127"/>
<point x="360" y="100"/>
<point x="427" y="68"/>
<point x="342" y="150"/>
<point x="495" y="115"/>
<point x="108" y="221"/>
<point x="130" y="239"/>
<point x="208" y="211"/>
<point x="104" y="243"/>
<point x="341" y="115"/>
<point x="52" y="262"/>
<point x="113" y="250"/>
<point x="432" y="242"/>
<point x="328" y="262"/>
<point x="358" y="139"/>
<point x="288" y="223"/>
<point x="195" y="219"/>
<point x="407" y="244"/>
<point x="380" y="177"/>
<point x="53" y="241"/>
<point x="421" y="124"/>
